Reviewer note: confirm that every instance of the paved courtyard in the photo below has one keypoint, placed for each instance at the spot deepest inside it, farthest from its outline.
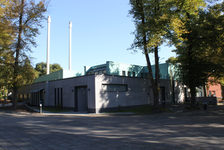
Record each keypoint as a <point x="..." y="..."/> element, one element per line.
<point x="31" y="131"/>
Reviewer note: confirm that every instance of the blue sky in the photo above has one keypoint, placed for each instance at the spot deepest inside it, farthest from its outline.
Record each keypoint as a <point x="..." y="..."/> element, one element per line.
<point x="102" y="31"/>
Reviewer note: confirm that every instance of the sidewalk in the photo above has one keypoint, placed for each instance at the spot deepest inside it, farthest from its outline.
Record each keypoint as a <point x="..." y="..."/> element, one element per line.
<point x="6" y="105"/>
<point x="44" y="112"/>
<point x="10" y="104"/>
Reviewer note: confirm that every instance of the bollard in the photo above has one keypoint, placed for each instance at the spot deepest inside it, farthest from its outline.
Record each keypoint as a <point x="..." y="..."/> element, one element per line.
<point x="40" y="108"/>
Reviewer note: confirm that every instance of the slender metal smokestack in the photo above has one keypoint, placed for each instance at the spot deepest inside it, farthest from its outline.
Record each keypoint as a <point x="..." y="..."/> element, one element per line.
<point x="48" y="43"/>
<point x="70" y="46"/>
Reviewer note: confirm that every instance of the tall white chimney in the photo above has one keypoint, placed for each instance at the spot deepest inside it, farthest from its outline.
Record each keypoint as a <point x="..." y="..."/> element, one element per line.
<point x="48" y="43"/>
<point x="70" y="46"/>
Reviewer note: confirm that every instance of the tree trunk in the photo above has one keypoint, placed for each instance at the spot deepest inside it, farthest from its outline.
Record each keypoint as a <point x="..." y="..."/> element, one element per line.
<point x="190" y="67"/>
<point x="173" y="90"/>
<point x="193" y="95"/>
<point x="155" y="93"/>
<point x="146" y="52"/>
<point x="17" y="54"/>
<point x="156" y="56"/>
<point x="222" y="87"/>
<point x="204" y="90"/>
<point x="157" y="77"/>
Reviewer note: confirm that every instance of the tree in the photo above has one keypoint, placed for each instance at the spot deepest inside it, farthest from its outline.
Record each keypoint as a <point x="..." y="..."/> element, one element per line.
<point x="151" y="26"/>
<point x="157" y="21"/>
<point x="199" y="46"/>
<point x="55" y="67"/>
<point x="213" y="33"/>
<point x="25" y="19"/>
<point x="28" y="73"/>
<point x="6" y="40"/>
<point x="190" y="68"/>
<point x="41" y="68"/>
<point x="6" y="30"/>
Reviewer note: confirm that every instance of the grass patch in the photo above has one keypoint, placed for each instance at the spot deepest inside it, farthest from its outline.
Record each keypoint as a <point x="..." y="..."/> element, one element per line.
<point x="5" y="101"/>
<point x="190" y="107"/>
<point x="55" y="110"/>
<point x="143" y="110"/>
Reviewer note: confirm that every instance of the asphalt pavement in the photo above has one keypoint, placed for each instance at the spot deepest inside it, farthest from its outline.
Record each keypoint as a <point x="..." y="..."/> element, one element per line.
<point x="198" y="130"/>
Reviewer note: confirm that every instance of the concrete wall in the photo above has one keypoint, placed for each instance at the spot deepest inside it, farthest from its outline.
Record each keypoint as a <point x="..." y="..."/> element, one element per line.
<point x="179" y="92"/>
<point x="68" y="86"/>
<point x="207" y="100"/>
<point x="138" y="92"/>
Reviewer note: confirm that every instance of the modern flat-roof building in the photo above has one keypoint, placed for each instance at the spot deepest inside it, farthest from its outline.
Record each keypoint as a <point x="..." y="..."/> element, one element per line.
<point x="103" y="87"/>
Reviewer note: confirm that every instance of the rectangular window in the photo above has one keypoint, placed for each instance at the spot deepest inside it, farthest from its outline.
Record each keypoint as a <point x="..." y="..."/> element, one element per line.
<point x="129" y="73"/>
<point x="25" y="96"/>
<point x="146" y="75"/>
<point x="58" y="97"/>
<point x="162" y="94"/>
<point x="21" y="96"/>
<point x="123" y="73"/>
<point x="115" y="87"/>
<point x="133" y="74"/>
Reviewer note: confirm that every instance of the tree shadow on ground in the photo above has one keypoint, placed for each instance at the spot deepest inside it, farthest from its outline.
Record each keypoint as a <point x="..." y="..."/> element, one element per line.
<point x="160" y="131"/>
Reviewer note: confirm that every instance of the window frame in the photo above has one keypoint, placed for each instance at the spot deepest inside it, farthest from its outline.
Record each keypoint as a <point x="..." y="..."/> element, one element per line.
<point x="129" y="73"/>
<point x="106" y="89"/>
<point x="123" y="73"/>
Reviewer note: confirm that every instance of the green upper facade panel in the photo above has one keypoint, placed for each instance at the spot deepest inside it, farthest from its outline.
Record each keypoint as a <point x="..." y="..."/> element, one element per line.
<point x="163" y="68"/>
<point x="167" y="71"/>
<point x="61" y="74"/>
<point x="98" y="69"/>
<point x="114" y="68"/>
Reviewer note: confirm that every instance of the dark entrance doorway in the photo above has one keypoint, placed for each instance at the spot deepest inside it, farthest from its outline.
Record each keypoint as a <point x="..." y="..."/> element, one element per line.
<point x="81" y="99"/>
<point x="163" y="95"/>
<point x="58" y="98"/>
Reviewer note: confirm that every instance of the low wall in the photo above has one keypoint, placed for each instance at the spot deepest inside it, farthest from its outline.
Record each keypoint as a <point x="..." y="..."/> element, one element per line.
<point x="207" y="100"/>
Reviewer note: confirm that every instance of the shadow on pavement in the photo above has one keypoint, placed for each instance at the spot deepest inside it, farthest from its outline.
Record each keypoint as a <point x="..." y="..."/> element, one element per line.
<point x="191" y="130"/>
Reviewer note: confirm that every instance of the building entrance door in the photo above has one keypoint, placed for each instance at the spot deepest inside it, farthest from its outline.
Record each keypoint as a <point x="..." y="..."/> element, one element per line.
<point x="81" y="99"/>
